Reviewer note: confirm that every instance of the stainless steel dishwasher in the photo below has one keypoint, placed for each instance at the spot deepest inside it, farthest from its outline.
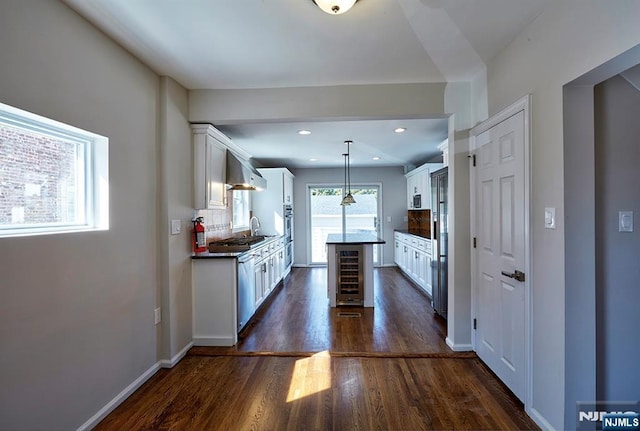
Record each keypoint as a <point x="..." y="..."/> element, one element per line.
<point x="246" y="289"/>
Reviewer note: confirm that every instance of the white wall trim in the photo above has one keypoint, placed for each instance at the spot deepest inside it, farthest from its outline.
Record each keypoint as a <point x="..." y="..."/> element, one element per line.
<point x="538" y="419"/>
<point x="170" y="363"/>
<point x="459" y="347"/>
<point x="118" y="399"/>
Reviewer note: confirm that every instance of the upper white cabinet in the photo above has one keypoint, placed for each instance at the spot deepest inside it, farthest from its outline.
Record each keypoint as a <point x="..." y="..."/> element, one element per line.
<point x="268" y="204"/>
<point x="210" y="167"/>
<point x="419" y="186"/>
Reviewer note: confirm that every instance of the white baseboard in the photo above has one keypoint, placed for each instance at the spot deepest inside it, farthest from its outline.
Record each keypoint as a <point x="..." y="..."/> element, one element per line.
<point x="538" y="419"/>
<point x="134" y="386"/>
<point x="126" y="392"/>
<point x="170" y="363"/>
<point x="458" y="347"/>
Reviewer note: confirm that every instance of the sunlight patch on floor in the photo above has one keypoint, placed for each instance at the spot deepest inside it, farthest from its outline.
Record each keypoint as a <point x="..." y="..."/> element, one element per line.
<point x="310" y="376"/>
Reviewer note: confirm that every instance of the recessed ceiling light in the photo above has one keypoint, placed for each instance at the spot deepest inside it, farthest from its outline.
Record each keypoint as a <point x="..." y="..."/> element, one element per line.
<point x="313" y="160"/>
<point x="400" y="130"/>
<point x="304" y="132"/>
<point x="376" y="158"/>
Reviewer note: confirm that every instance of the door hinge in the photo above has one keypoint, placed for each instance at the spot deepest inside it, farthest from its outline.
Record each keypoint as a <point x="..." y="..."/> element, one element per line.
<point x="474" y="242"/>
<point x="474" y="160"/>
<point x="475" y="323"/>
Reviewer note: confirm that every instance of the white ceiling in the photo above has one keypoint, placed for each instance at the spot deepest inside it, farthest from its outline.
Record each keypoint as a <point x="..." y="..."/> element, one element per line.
<point x="241" y="44"/>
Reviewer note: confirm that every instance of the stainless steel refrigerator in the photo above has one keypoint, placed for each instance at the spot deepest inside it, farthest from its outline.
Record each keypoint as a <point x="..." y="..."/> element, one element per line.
<point x="439" y="239"/>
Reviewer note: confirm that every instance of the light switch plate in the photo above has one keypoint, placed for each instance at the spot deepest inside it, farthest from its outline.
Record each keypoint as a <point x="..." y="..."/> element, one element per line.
<point x="550" y="218"/>
<point x="157" y="316"/>
<point x="175" y="227"/>
<point x="388" y="219"/>
<point x="625" y="221"/>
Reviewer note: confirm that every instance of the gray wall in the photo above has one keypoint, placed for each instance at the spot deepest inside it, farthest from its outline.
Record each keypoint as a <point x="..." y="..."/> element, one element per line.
<point x="568" y="39"/>
<point x="394" y="202"/>
<point x="76" y="315"/>
<point x="617" y="155"/>
<point x="174" y="255"/>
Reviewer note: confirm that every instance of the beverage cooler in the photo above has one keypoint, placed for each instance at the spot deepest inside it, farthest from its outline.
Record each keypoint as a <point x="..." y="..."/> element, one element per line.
<point x="439" y="239"/>
<point x="349" y="268"/>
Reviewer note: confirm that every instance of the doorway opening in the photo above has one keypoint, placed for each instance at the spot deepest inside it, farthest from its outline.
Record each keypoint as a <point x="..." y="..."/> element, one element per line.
<point x="326" y="216"/>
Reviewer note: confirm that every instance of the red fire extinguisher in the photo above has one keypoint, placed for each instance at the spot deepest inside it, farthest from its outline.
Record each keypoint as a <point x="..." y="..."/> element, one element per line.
<point x="199" y="240"/>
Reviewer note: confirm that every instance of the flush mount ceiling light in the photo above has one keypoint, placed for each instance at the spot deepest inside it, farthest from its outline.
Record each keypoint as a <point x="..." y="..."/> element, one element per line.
<point x="400" y="130"/>
<point x="335" y="7"/>
<point x="304" y="132"/>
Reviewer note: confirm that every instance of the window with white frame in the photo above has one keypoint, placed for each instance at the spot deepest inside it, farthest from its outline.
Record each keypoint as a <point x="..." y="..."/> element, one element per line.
<point x="53" y="177"/>
<point x="240" y="210"/>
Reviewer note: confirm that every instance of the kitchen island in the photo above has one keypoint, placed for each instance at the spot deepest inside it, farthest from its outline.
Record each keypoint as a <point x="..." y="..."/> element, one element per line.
<point x="350" y="268"/>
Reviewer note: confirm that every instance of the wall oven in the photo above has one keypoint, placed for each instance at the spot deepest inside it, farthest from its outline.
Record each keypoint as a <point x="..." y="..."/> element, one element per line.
<point x="288" y="235"/>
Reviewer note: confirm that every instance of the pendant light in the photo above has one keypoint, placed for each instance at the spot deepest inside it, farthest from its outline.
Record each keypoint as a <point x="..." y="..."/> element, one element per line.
<point x="334" y="7"/>
<point x="348" y="199"/>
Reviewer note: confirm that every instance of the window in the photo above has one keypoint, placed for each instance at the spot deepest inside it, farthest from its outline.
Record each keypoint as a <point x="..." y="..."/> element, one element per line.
<point x="240" y="210"/>
<point x="328" y="216"/>
<point x="53" y="177"/>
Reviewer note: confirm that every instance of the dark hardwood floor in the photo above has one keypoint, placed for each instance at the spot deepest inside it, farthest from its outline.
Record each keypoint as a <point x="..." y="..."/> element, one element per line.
<point x="304" y="366"/>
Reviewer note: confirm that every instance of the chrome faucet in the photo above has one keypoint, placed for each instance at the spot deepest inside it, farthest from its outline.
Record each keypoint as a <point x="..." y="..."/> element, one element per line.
<point x="254" y="231"/>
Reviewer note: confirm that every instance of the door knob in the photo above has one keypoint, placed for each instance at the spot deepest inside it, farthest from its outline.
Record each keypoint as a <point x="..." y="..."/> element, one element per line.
<point x="517" y="275"/>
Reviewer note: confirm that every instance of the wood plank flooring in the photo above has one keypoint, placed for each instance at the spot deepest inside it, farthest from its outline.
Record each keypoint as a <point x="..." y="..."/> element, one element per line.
<point x="302" y="366"/>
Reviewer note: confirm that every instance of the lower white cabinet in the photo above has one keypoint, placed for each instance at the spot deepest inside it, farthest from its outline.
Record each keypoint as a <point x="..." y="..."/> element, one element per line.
<point x="412" y="254"/>
<point x="215" y="292"/>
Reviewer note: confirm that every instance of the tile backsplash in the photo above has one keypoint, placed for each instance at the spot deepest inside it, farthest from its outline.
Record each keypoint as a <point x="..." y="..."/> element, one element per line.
<point x="217" y="222"/>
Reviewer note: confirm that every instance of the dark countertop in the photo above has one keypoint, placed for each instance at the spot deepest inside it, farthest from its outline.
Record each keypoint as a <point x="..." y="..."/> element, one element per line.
<point x="353" y="238"/>
<point x="208" y="255"/>
<point x="233" y="254"/>
<point x="406" y="231"/>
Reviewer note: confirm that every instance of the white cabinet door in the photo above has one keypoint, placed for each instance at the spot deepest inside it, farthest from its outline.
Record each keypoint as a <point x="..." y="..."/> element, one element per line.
<point x="258" y="273"/>
<point x="429" y="273"/>
<point x="397" y="255"/>
<point x="288" y="189"/>
<point x="216" y="171"/>
<point x="210" y="167"/>
<point x="412" y="189"/>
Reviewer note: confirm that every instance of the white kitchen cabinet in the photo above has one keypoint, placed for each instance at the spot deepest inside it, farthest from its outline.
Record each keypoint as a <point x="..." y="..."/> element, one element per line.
<point x="288" y="188"/>
<point x="419" y="183"/>
<point x="214" y="302"/>
<point x="413" y="257"/>
<point x="258" y="273"/>
<point x="210" y="167"/>
<point x="268" y="204"/>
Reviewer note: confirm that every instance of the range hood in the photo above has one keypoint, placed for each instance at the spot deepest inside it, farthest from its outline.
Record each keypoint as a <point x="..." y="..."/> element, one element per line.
<point x="242" y="176"/>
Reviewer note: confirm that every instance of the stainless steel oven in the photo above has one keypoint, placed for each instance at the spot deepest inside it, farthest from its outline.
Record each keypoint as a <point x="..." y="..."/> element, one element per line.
<point x="288" y="235"/>
<point x="288" y="223"/>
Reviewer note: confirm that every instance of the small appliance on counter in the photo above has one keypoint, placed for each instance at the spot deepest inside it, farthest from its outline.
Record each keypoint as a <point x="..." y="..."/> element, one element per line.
<point x="419" y="223"/>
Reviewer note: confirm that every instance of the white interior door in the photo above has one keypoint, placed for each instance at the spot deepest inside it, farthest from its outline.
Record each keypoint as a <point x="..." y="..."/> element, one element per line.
<point x="500" y="221"/>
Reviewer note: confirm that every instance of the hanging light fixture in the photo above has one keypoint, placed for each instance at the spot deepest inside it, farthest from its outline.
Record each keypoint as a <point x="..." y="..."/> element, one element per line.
<point x="348" y="199"/>
<point x="335" y="7"/>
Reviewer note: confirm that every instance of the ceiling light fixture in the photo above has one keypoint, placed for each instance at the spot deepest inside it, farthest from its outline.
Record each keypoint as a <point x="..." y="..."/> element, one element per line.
<point x="304" y="132"/>
<point x="335" y="7"/>
<point x="348" y="199"/>
<point x="400" y="130"/>
<point x="376" y="158"/>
